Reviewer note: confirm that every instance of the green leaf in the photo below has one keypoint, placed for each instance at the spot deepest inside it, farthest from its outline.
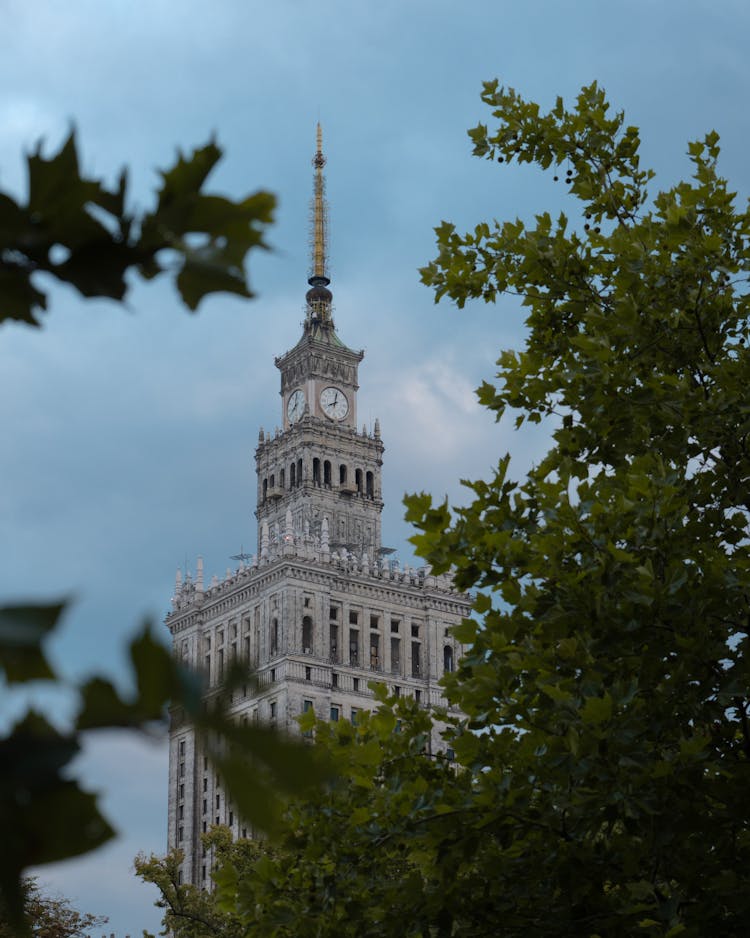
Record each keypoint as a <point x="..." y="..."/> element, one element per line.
<point x="23" y="630"/>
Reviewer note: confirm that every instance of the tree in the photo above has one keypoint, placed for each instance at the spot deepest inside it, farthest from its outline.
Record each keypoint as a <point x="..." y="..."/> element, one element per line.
<point x="349" y="859"/>
<point x="604" y="758"/>
<point x="607" y="688"/>
<point x="51" y="916"/>
<point x="74" y="229"/>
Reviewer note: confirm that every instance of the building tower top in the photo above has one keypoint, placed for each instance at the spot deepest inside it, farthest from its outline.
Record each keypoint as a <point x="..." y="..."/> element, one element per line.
<point x="319" y="297"/>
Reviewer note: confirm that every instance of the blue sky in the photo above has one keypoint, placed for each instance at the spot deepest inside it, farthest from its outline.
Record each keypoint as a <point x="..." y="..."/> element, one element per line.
<point x="129" y="432"/>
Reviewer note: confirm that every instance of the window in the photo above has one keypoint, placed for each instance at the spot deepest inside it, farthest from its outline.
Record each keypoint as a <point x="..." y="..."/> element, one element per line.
<point x="358" y="480"/>
<point x="307" y="635"/>
<point x="179" y="835"/>
<point x="396" y="655"/>
<point x="375" y="652"/>
<point x="292" y="475"/>
<point x="397" y="690"/>
<point x="274" y="636"/>
<point x="355" y="714"/>
<point x="218" y="801"/>
<point x="244" y="833"/>
<point x="316" y="471"/>
<point x="353" y="617"/>
<point x="221" y="664"/>
<point x="415" y="630"/>
<point x="370" y="485"/>
<point x="334" y="612"/>
<point x="334" y="714"/>
<point x="416" y="669"/>
<point x="307" y="705"/>
<point x="299" y="472"/>
<point x="182" y="747"/>
<point x="182" y="792"/>
<point x="203" y="871"/>
<point x="395" y="625"/>
<point x="327" y="473"/>
<point x="281" y="478"/>
<point x="375" y="622"/>
<point x="273" y="674"/>
<point x="273" y="711"/>
<point x="307" y="602"/>
<point x="181" y="813"/>
<point x="354" y="647"/>
<point x="179" y="877"/>
<point x="231" y="818"/>
<point x="308" y="674"/>
<point x="355" y="683"/>
<point x="334" y="680"/>
<point x="205" y="784"/>
<point x="205" y="806"/>
<point x="417" y="695"/>
<point x="448" y="659"/>
<point x="342" y="475"/>
<point x="182" y="770"/>
<point x="334" y="643"/>
<point x="205" y="827"/>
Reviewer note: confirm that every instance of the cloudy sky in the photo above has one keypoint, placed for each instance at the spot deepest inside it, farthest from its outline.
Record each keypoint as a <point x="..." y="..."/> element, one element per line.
<point x="128" y="433"/>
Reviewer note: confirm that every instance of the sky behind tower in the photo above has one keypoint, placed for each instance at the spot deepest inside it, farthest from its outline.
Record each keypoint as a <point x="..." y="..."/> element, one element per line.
<point x="129" y="432"/>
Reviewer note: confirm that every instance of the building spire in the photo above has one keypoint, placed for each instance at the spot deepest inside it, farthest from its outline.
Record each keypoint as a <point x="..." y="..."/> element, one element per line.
<point x="319" y="296"/>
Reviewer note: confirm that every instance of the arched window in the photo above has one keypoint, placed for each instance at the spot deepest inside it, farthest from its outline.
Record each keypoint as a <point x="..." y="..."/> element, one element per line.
<point x="307" y="635"/>
<point x="274" y="636"/>
<point x="370" y="485"/>
<point x="316" y="471"/>
<point x="272" y="481"/>
<point x="292" y="476"/>
<point x="299" y="472"/>
<point x="342" y="475"/>
<point x="358" y="480"/>
<point x="447" y="659"/>
<point x="281" y="479"/>
<point x="327" y="473"/>
<point x="265" y="488"/>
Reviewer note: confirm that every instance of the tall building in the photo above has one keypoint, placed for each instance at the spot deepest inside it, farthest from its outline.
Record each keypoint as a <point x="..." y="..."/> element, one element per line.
<point x="321" y="609"/>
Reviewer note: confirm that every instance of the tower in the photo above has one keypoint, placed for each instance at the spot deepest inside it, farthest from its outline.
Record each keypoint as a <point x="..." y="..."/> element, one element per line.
<point x="321" y="610"/>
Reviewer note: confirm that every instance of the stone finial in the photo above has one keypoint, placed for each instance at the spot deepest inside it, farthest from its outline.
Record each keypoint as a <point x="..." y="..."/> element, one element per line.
<point x="264" y="540"/>
<point x="377" y="428"/>
<point x="288" y="527"/>
<point x="214" y="580"/>
<point x="365" y="562"/>
<point x="364" y="429"/>
<point x="199" y="574"/>
<point x="178" y="581"/>
<point x="324" y="542"/>
<point x="261" y="435"/>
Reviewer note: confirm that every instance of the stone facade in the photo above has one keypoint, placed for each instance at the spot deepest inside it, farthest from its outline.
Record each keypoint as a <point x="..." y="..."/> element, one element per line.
<point x="321" y="610"/>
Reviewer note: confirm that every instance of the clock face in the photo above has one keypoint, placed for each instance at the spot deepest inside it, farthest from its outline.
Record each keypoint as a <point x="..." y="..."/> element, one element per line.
<point x="295" y="406"/>
<point x="334" y="403"/>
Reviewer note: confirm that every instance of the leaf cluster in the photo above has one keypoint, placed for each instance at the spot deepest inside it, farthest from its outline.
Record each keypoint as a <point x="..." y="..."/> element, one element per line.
<point x="79" y="232"/>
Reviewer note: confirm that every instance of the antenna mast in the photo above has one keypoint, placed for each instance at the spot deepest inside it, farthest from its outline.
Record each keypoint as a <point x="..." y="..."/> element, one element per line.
<point x="319" y="296"/>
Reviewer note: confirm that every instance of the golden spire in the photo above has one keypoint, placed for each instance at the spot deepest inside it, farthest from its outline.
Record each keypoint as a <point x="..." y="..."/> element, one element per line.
<point x="319" y="216"/>
<point x="319" y="296"/>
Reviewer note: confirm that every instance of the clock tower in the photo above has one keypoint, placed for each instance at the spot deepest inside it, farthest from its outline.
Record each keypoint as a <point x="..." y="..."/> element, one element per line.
<point x="319" y="465"/>
<point x="322" y="610"/>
